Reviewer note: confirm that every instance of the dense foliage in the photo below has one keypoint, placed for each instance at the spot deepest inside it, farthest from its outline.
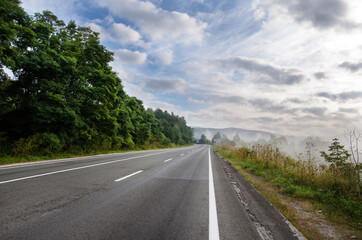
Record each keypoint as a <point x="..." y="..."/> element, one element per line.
<point x="58" y="91"/>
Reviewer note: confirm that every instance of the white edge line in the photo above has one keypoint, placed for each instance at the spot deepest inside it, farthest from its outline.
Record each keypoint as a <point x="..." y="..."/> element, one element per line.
<point x="168" y="160"/>
<point x="77" y="168"/>
<point x="52" y="161"/>
<point x="213" y="223"/>
<point x="122" y="178"/>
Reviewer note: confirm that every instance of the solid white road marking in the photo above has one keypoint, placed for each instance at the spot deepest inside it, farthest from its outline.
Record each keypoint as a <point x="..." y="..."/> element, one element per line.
<point x="46" y="162"/>
<point x="122" y="178"/>
<point x="168" y="160"/>
<point x="213" y="224"/>
<point x="77" y="168"/>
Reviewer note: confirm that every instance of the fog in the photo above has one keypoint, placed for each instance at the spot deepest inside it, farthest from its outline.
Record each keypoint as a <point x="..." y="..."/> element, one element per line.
<point x="290" y="145"/>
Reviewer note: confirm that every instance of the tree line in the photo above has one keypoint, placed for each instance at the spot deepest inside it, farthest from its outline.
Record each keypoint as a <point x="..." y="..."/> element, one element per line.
<point x="58" y="91"/>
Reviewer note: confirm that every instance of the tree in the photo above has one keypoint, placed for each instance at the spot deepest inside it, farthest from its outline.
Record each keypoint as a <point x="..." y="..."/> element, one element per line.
<point x="353" y="139"/>
<point x="174" y="127"/>
<point x="216" y="138"/>
<point x="203" y="139"/>
<point x="338" y="156"/>
<point x="63" y="91"/>
<point x="310" y="148"/>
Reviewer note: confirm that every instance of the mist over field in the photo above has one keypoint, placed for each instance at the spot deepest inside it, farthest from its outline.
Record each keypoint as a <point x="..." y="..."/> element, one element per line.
<point x="290" y="145"/>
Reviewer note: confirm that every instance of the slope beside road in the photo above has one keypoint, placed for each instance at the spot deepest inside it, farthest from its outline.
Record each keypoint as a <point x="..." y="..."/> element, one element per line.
<point x="163" y="194"/>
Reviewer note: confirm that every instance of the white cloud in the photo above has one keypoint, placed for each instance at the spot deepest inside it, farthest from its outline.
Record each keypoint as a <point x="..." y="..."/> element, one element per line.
<point x="116" y="32"/>
<point x="136" y="91"/>
<point x="194" y="67"/>
<point x="165" y="56"/>
<point x="195" y="101"/>
<point x="166" y="85"/>
<point x="163" y="105"/>
<point x="156" y="23"/>
<point x="322" y="14"/>
<point x="130" y="57"/>
<point x="353" y="67"/>
<point x="273" y="74"/>
<point x="124" y="34"/>
<point x="64" y="9"/>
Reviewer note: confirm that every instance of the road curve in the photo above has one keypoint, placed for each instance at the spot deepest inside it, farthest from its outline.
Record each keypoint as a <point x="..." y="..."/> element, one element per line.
<point x="179" y="193"/>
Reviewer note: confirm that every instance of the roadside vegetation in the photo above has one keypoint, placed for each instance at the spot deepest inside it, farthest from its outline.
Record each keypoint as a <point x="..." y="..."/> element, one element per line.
<point x="203" y="140"/>
<point x="334" y="187"/>
<point x="59" y="95"/>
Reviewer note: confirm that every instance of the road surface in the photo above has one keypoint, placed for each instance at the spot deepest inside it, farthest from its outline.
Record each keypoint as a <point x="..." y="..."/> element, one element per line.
<point x="181" y="193"/>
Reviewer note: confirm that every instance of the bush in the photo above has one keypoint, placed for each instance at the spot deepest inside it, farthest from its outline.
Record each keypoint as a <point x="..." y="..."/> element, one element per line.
<point x="48" y="143"/>
<point x="25" y="146"/>
<point x="41" y="143"/>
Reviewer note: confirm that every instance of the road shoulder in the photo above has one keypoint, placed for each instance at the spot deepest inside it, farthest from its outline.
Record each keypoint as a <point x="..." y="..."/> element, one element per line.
<point x="269" y="222"/>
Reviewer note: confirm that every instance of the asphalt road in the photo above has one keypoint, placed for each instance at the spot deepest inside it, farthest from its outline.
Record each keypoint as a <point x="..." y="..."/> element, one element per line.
<point x="162" y="194"/>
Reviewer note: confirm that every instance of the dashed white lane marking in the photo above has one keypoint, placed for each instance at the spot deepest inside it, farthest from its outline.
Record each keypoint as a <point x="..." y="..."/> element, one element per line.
<point x="123" y="178"/>
<point x="168" y="160"/>
<point x="213" y="223"/>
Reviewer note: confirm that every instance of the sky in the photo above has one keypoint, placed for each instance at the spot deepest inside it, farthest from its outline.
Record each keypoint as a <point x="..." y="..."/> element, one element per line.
<point x="292" y="67"/>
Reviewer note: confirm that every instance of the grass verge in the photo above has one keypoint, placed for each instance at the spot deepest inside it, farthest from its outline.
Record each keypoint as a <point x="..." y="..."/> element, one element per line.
<point x="318" y="215"/>
<point x="77" y="153"/>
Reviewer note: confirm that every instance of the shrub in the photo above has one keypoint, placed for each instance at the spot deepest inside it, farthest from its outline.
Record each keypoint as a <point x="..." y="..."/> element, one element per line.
<point x="48" y="143"/>
<point x="25" y="146"/>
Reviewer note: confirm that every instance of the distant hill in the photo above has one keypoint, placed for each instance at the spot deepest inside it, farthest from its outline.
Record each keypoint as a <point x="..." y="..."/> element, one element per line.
<point x="244" y="134"/>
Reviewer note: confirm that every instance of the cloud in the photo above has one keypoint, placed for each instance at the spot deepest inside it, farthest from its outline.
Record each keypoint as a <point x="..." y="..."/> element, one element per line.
<point x="345" y="96"/>
<point x="322" y="14"/>
<point x="163" y="105"/>
<point x="127" y="56"/>
<point x="156" y="22"/>
<point x="64" y="10"/>
<point x="267" y="105"/>
<point x="194" y="67"/>
<point x="294" y="100"/>
<point x="195" y="101"/>
<point x="166" y="85"/>
<point x="225" y="98"/>
<point x="317" y="111"/>
<point x="272" y="74"/>
<point x="266" y="120"/>
<point x="320" y="75"/>
<point x="124" y="34"/>
<point x="137" y="91"/>
<point x="348" y="110"/>
<point x="353" y="67"/>
<point x="165" y="56"/>
<point x="115" y="32"/>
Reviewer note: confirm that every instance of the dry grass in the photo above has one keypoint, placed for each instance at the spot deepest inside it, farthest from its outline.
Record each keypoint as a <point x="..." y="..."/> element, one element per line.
<point x="304" y="214"/>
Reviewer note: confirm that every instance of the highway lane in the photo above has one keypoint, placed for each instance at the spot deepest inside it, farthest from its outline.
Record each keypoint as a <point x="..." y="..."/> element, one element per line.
<point x="163" y="194"/>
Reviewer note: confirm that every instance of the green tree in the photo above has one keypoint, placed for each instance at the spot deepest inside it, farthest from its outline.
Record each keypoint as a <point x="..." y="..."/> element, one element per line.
<point x="204" y="140"/>
<point x="64" y="92"/>
<point x="337" y="156"/>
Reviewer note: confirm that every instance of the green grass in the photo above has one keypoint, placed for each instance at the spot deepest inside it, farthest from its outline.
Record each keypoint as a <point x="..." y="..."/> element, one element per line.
<point x="339" y="208"/>
<point x="77" y="153"/>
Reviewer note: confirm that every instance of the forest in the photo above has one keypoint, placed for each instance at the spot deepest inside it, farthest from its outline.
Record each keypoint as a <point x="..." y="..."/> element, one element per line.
<point x="58" y="92"/>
